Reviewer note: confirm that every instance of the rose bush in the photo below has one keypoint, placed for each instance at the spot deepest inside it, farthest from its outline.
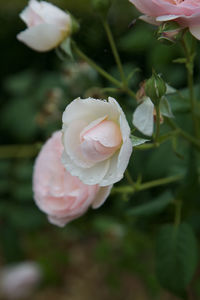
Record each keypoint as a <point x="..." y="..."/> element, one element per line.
<point x="100" y="145"/>
<point x="47" y="26"/>
<point x="60" y="195"/>
<point x="184" y="12"/>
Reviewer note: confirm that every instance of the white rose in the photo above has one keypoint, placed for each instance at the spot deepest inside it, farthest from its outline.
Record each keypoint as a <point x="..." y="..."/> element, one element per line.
<point x="96" y="139"/>
<point x="19" y="281"/>
<point x="47" y="26"/>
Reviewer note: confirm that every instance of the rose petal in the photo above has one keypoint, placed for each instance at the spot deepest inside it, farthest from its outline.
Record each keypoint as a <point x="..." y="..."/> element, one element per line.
<point x="72" y="143"/>
<point x="90" y="176"/>
<point x="101" y="196"/>
<point x="80" y="109"/>
<point x="195" y="31"/>
<point x="166" y="18"/>
<point x="51" y="14"/>
<point x="150" y="20"/>
<point x="143" y="117"/>
<point x="43" y="37"/>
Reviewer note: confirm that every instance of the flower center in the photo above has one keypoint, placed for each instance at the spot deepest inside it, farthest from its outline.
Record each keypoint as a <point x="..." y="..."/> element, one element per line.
<point x="101" y="141"/>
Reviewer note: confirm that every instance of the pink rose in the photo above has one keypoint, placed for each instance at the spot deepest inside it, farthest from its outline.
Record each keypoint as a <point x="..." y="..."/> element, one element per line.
<point x="184" y="12"/>
<point x="100" y="145"/>
<point x="19" y="281"/>
<point x="60" y="195"/>
<point x="47" y="26"/>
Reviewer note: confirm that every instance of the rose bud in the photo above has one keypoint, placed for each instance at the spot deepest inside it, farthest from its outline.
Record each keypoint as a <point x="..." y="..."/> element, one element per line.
<point x="60" y="195"/>
<point x="100" y="145"/>
<point x="47" y="26"/>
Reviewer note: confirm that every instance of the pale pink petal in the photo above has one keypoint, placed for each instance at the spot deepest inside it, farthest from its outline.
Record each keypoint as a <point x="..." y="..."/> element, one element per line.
<point x="166" y="18"/>
<point x="92" y="124"/>
<point x="82" y="108"/>
<point x="195" y="31"/>
<point x="72" y="143"/>
<point x="43" y="37"/>
<point x="101" y="196"/>
<point x="150" y="20"/>
<point x="30" y="17"/>
<point x="91" y="176"/>
<point x="95" y="152"/>
<point x="51" y="14"/>
<point x="148" y="7"/>
<point x="171" y="9"/>
<point x="60" y="195"/>
<point x="143" y="118"/>
<point x="106" y="132"/>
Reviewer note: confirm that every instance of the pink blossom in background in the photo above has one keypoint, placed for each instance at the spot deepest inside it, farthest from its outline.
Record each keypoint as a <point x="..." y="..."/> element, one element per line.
<point x="60" y="195"/>
<point x="184" y="12"/>
<point x="47" y="25"/>
<point x="20" y="280"/>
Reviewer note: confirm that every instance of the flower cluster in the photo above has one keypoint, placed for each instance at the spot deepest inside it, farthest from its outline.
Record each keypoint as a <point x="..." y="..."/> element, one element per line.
<point x="77" y="166"/>
<point x="95" y="152"/>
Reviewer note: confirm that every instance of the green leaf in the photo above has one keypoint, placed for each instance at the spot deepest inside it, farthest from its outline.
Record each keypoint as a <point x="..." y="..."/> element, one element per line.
<point x="165" y="108"/>
<point x="176" y="257"/>
<point x="66" y="47"/>
<point x="153" y="207"/>
<point x="136" y="141"/>
<point x="132" y="73"/>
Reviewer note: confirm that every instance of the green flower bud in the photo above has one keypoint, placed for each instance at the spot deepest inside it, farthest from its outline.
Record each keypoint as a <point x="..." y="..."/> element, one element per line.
<point x="101" y="6"/>
<point x="169" y="32"/>
<point x="155" y="88"/>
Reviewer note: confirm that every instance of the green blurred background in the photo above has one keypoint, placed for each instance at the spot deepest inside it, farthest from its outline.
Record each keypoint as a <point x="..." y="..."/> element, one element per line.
<point x="105" y="254"/>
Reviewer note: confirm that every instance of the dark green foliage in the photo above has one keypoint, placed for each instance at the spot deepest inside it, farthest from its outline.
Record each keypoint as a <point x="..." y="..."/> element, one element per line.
<point x="176" y="257"/>
<point x="154" y="207"/>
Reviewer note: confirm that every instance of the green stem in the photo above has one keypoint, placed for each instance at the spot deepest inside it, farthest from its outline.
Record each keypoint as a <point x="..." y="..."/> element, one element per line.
<point x="157" y="107"/>
<point x="96" y="67"/>
<point x="184" y="134"/>
<point x="147" y="185"/>
<point x="190" y="70"/>
<point x="19" y="151"/>
<point x="146" y="146"/>
<point x="129" y="178"/>
<point x="103" y="72"/>
<point x="160" y="181"/>
<point x="114" y="50"/>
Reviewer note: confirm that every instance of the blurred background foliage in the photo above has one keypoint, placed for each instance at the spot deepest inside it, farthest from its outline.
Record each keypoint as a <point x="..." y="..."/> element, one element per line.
<point x="108" y="253"/>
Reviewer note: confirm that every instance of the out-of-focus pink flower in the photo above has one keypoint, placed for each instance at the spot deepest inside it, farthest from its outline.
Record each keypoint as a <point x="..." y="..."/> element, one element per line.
<point x="47" y="26"/>
<point x="19" y="281"/>
<point x="100" y="145"/>
<point x="184" y="12"/>
<point x="60" y="195"/>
